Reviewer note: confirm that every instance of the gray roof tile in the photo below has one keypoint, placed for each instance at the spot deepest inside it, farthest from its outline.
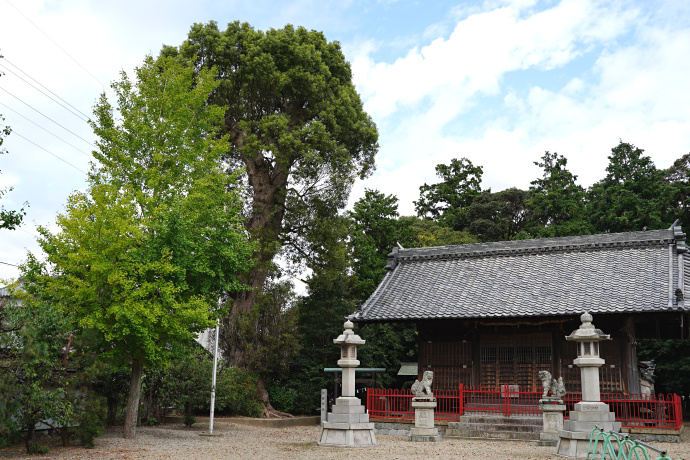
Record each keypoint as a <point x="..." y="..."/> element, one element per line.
<point x="618" y="272"/>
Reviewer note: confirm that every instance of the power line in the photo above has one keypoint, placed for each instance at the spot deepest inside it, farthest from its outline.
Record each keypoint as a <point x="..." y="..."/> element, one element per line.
<point x="81" y="116"/>
<point x="52" y="134"/>
<point x="36" y="110"/>
<point x="15" y="66"/>
<point x="6" y="263"/>
<point x="27" y="232"/>
<point x="55" y="43"/>
<point x="15" y="133"/>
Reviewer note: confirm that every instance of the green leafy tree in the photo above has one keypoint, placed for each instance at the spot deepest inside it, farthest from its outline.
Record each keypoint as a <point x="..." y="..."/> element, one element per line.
<point x="556" y="202"/>
<point x="447" y="201"/>
<point x="678" y="178"/>
<point x="143" y="256"/>
<point x="376" y="230"/>
<point x="295" y="123"/>
<point x="633" y="195"/>
<point x="672" y="358"/>
<point x="428" y="233"/>
<point x="499" y="216"/>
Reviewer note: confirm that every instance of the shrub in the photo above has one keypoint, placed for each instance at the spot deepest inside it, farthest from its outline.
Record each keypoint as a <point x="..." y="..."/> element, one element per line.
<point x="189" y="420"/>
<point x="282" y="398"/>
<point x="90" y="417"/>
<point x="38" y="449"/>
<point x="236" y="393"/>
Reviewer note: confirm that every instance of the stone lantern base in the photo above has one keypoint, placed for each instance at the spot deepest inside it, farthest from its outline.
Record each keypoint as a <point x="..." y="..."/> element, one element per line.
<point x="424" y="430"/>
<point x="552" y="413"/>
<point x="347" y="425"/>
<point x="574" y="438"/>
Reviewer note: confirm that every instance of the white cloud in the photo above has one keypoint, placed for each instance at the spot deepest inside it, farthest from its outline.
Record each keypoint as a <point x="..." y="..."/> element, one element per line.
<point x="635" y="91"/>
<point x="481" y="50"/>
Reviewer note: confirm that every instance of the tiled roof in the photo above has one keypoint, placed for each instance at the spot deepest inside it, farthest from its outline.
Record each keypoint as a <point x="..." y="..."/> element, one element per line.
<point x="617" y="272"/>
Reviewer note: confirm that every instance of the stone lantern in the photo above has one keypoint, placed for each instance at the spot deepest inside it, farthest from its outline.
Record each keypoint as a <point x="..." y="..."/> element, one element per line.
<point x="587" y="338"/>
<point x="573" y="439"/>
<point x="347" y="425"/>
<point x="348" y="342"/>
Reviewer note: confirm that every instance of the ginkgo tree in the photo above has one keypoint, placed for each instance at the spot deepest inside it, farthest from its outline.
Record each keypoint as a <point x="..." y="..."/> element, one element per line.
<point x="144" y="254"/>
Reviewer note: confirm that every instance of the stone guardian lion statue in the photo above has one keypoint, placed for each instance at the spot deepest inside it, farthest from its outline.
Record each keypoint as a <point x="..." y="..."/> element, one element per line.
<point x="420" y="388"/>
<point x="551" y="385"/>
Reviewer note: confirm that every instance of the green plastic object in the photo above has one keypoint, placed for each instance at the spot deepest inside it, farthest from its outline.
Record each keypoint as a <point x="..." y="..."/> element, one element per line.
<point x="616" y="447"/>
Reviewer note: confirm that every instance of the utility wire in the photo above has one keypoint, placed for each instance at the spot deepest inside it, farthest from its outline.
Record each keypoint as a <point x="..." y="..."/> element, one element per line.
<point x="15" y="133"/>
<point x="6" y="263"/>
<point x="16" y="67"/>
<point x="78" y="115"/>
<point x="27" y="232"/>
<point x="36" y="110"/>
<point x="52" y="134"/>
<point x="55" y="43"/>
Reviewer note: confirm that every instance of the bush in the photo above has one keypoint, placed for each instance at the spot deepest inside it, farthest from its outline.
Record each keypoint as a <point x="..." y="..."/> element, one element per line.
<point x="236" y="393"/>
<point x="90" y="417"/>
<point x="38" y="449"/>
<point x="188" y="420"/>
<point x="282" y="398"/>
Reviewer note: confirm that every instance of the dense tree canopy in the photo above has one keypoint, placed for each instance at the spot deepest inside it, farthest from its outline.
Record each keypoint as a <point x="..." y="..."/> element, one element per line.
<point x="499" y="216"/>
<point x="633" y="196"/>
<point x="556" y="202"/>
<point x="295" y="122"/>
<point x="447" y="201"/>
<point x="376" y="230"/>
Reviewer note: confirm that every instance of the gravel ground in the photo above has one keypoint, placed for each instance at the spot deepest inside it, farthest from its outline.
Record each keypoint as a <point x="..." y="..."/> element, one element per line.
<point x="245" y="442"/>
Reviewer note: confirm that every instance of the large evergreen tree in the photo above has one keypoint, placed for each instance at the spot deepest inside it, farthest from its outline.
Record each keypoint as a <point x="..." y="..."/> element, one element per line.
<point x="447" y="202"/>
<point x="678" y="178"/>
<point x="295" y="122"/>
<point x="633" y="195"/>
<point x="376" y="230"/>
<point x="556" y="202"/>
<point x="499" y="216"/>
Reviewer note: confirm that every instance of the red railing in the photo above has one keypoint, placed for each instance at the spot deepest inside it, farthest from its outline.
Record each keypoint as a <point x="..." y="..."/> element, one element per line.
<point x="633" y="411"/>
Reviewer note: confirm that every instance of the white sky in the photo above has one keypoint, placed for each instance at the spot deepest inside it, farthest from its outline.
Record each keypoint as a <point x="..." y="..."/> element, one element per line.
<point x="498" y="82"/>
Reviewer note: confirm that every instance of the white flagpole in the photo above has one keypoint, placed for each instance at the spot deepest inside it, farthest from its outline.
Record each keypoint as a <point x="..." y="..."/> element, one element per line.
<point x="213" y="384"/>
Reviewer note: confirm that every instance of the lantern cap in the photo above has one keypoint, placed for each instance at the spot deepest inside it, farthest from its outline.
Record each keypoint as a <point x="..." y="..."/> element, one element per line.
<point x="348" y="336"/>
<point x="587" y="331"/>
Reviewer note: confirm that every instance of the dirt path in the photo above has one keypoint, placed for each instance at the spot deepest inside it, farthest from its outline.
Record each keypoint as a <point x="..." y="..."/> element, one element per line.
<point x="246" y="442"/>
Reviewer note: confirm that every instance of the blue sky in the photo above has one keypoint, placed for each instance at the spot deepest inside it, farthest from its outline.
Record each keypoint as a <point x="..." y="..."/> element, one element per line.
<point x="498" y="82"/>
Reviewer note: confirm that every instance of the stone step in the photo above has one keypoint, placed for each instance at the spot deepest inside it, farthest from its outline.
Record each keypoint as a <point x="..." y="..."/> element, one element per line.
<point x="496" y="427"/>
<point x="479" y="434"/>
<point x="500" y="420"/>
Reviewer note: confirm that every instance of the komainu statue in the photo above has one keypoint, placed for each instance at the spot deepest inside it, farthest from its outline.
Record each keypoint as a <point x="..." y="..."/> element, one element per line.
<point x="420" y="388"/>
<point x="551" y="385"/>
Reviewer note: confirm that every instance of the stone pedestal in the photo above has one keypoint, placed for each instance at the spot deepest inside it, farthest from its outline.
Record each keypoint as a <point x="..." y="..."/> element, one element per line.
<point x="347" y="425"/>
<point x="574" y="437"/>
<point x="424" y="430"/>
<point x="552" y="413"/>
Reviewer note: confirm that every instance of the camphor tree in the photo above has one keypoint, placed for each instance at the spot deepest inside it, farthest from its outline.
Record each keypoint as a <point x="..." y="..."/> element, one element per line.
<point x="143" y="255"/>
<point x="296" y="124"/>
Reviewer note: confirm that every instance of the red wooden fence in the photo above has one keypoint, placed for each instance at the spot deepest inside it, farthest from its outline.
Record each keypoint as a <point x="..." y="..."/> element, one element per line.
<point x="655" y="411"/>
